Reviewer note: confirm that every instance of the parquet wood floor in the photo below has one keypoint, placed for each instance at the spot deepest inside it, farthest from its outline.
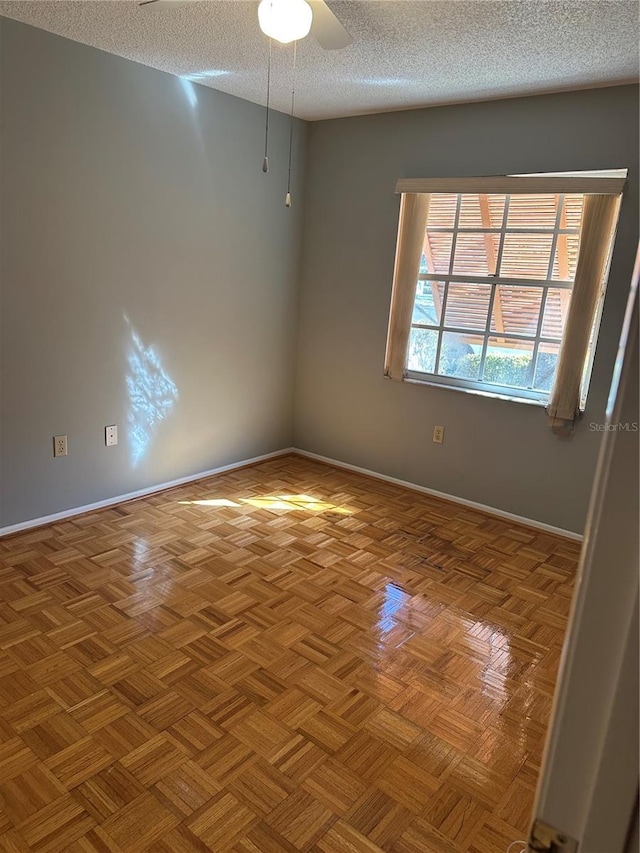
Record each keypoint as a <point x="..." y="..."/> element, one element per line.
<point x="287" y="657"/>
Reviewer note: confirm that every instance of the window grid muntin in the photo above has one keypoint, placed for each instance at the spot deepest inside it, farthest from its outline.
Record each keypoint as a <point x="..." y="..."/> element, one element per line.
<point x="561" y="284"/>
<point x="495" y="281"/>
<point x="494" y="288"/>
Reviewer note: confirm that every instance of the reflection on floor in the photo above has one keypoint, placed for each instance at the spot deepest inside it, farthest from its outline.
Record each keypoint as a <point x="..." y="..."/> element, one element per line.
<point x="282" y="658"/>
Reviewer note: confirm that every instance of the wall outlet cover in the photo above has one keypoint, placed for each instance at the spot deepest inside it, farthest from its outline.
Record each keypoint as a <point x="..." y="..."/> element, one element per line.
<point x="111" y="435"/>
<point x="59" y="445"/>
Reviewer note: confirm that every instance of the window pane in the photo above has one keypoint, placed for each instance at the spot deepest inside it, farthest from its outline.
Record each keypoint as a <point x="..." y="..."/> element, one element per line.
<point x="546" y="366"/>
<point x="427" y="307"/>
<point x="438" y="256"/>
<point x="476" y="254"/>
<point x="468" y="306"/>
<point x="508" y="362"/>
<point x="526" y="256"/>
<point x="572" y="212"/>
<point x="481" y="211"/>
<point x="516" y="310"/>
<point x="422" y="350"/>
<point x="566" y="259"/>
<point x="460" y="355"/>
<point x="555" y="312"/>
<point x="442" y="210"/>
<point x="537" y="211"/>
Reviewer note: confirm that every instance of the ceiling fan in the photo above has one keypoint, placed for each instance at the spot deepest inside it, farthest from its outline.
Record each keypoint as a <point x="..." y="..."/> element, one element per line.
<point x="290" y="20"/>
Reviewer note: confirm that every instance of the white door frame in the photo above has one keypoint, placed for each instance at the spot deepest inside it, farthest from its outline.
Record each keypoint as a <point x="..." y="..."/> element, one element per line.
<point x="588" y="784"/>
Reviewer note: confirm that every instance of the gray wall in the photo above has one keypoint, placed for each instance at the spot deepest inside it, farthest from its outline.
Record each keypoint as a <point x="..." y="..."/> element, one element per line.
<point x="495" y="452"/>
<point x="126" y="192"/>
<point x="133" y="201"/>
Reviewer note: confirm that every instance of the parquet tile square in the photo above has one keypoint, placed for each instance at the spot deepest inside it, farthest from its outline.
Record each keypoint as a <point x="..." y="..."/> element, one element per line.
<point x="179" y="840"/>
<point x="264" y="839"/>
<point x="27" y="793"/>
<point x="154" y="759"/>
<point x="13" y="842"/>
<point x="186" y="789"/>
<point x="79" y="761"/>
<point x="53" y="828"/>
<point x="379" y="817"/>
<point x="367" y="756"/>
<point x="98" y="710"/>
<point x="301" y="819"/>
<point x="226" y="758"/>
<point x="261" y="787"/>
<point x="327" y="730"/>
<point x="422" y="836"/>
<point x="343" y="838"/>
<point x="283" y="658"/>
<point x="299" y="758"/>
<point x="455" y="814"/>
<point x="408" y="784"/>
<point x="15" y="758"/>
<point x="52" y="668"/>
<point x="74" y="689"/>
<point x="222" y="821"/>
<point x="53" y="735"/>
<point x="25" y="713"/>
<point x="515" y="806"/>
<point x="195" y="732"/>
<point x="108" y="791"/>
<point x="335" y="786"/>
<point x="139" y="823"/>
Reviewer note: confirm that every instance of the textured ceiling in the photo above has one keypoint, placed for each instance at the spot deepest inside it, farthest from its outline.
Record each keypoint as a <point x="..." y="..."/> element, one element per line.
<point x="405" y="54"/>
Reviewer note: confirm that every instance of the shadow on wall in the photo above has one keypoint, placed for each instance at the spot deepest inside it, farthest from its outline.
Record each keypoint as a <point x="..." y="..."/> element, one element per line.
<point x="151" y="391"/>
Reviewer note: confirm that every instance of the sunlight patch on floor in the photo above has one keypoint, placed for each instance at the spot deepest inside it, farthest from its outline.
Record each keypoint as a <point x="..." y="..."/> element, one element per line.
<point x="283" y="502"/>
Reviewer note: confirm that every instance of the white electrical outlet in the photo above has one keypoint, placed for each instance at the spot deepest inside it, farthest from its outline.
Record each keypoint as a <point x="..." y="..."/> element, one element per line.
<point x="59" y="445"/>
<point x="438" y="434"/>
<point x="111" y="435"/>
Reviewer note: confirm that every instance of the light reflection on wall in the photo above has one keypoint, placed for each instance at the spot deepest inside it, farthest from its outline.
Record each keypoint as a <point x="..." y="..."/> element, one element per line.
<point x="187" y="81"/>
<point x="190" y="91"/>
<point x="203" y="76"/>
<point x="387" y="81"/>
<point x="152" y="394"/>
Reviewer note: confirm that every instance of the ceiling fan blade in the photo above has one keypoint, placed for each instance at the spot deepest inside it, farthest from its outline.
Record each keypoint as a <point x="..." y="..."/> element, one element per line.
<point x="326" y="28"/>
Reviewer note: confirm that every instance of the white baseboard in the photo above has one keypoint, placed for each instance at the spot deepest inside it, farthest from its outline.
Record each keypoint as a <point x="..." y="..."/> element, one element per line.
<point x="160" y="487"/>
<point x="140" y="493"/>
<point x="490" y="510"/>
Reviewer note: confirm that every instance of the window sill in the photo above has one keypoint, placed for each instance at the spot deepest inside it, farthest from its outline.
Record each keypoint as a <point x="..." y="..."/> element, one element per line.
<point x="478" y="392"/>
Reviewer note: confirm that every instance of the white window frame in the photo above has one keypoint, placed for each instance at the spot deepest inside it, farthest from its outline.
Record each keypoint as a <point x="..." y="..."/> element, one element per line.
<point x="494" y="281"/>
<point x="561" y="184"/>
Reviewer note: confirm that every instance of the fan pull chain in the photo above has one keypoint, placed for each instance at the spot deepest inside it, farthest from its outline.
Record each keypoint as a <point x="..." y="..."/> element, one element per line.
<point x="287" y="199"/>
<point x="265" y="162"/>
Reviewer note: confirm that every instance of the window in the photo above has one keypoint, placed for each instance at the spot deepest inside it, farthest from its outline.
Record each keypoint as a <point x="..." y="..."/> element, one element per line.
<point x="491" y="269"/>
<point x="493" y="289"/>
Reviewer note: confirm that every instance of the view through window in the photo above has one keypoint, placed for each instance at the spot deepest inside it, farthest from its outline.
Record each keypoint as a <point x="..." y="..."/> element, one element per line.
<point x="493" y="290"/>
